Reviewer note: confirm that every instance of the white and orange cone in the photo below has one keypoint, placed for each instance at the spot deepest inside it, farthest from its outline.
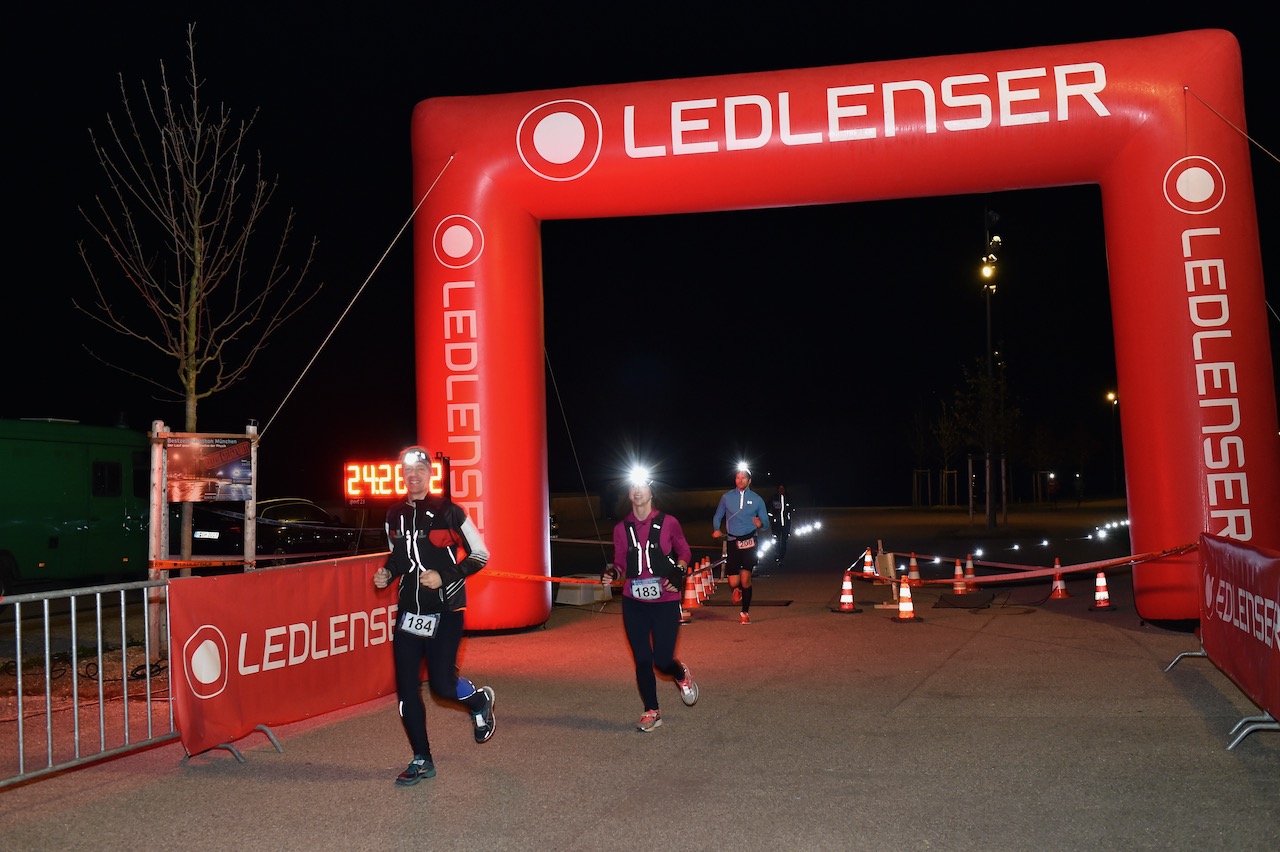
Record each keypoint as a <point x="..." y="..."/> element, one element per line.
<point x="847" y="603"/>
<point x="868" y="569"/>
<point x="1101" y="598"/>
<point x="706" y="586"/>
<point x="690" y="599"/>
<point x="958" y="585"/>
<point x="1059" y="590"/>
<point x="970" y="577"/>
<point x="913" y="572"/>
<point x="906" y="610"/>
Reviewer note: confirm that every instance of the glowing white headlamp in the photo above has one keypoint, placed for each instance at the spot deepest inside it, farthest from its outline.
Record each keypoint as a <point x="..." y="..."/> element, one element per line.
<point x="415" y="455"/>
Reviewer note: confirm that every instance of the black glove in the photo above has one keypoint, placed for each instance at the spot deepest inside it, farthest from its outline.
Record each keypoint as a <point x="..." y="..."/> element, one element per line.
<point x="677" y="575"/>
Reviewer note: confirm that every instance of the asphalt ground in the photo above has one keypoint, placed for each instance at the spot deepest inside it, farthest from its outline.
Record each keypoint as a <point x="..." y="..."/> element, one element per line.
<point x="1032" y="722"/>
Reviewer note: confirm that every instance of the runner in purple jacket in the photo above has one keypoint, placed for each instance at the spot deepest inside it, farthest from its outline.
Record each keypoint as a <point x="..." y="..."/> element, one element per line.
<point x="652" y="556"/>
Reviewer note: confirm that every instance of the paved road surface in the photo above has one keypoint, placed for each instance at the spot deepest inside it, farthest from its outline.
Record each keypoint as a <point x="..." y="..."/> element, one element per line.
<point x="1032" y="723"/>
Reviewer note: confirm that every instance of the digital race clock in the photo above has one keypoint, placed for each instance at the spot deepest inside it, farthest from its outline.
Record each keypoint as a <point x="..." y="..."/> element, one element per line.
<point x="384" y="480"/>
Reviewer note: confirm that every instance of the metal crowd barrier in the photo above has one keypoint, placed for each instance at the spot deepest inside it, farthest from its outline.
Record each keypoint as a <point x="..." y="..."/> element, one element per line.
<point x="84" y="676"/>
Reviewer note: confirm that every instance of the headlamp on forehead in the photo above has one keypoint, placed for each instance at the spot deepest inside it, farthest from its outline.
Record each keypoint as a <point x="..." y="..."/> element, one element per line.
<point x="415" y="455"/>
<point x="640" y="476"/>
<point x="742" y="468"/>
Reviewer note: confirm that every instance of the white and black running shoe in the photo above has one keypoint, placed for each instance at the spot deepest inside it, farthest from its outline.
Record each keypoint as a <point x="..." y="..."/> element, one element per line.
<point x="483" y="719"/>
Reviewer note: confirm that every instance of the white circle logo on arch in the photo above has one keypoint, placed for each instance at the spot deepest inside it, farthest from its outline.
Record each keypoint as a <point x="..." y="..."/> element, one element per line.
<point x="458" y="241"/>
<point x="560" y="140"/>
<point x="1195" y="185"/>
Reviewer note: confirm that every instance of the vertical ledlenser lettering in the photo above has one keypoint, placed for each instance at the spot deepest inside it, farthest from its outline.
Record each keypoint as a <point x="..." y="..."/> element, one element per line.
<point x="1209" y="309"/>
<point x="463" y="413"/>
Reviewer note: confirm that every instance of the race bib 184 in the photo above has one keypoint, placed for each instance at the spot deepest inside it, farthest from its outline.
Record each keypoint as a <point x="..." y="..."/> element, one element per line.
<point x="419" y="625"/>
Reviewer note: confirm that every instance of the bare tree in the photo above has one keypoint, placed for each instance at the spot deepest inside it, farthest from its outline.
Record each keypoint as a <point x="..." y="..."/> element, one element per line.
<point x="180" y="223"/>
<point x="948" y="432"/>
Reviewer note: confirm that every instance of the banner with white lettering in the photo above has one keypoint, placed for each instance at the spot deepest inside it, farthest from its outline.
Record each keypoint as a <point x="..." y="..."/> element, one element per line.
<point x="277" y="646"/>
<point x="1240" y="616"/>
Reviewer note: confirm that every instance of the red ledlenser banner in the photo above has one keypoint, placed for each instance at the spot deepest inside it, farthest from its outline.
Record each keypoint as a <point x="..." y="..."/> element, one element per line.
<point x="1240" y="616"/>
<point x="277" y="646"/>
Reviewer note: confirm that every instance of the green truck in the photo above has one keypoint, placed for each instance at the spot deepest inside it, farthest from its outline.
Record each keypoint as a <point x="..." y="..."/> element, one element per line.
<point x="73" y="504"/>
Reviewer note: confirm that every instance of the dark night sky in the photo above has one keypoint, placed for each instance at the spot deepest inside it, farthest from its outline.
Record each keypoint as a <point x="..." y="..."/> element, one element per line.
<point x="857" y="338"/>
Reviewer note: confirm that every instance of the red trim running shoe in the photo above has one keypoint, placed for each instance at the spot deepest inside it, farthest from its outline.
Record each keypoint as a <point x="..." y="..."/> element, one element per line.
<point x="650" y="720"/>
<point x="688" y="688"/>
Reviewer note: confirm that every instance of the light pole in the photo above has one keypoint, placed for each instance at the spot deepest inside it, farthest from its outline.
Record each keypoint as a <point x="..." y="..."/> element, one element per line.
<point x="1115" y="406"/>
<point x="988" y="290"/>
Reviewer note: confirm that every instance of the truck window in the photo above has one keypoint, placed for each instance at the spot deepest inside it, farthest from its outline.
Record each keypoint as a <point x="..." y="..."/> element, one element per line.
<point x="141" y="475"/>
<point x="106" y="479"/>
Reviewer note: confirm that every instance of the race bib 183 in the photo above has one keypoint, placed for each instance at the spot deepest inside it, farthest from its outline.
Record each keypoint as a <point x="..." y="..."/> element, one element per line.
<point x="646" y="590"/>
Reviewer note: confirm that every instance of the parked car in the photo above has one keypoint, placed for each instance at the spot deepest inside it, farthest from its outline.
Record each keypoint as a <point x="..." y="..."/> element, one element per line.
<point x="288" y="529"/>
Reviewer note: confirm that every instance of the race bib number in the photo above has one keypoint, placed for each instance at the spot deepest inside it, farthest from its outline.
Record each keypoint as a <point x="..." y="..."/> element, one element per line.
<point x="745" y="543"/>
<point x="419" y="625"/>
<point x="646" y="590"/>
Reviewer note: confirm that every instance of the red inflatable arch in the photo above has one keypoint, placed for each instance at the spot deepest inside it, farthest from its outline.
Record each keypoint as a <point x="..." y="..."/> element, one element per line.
<point x="1156" y="122"/>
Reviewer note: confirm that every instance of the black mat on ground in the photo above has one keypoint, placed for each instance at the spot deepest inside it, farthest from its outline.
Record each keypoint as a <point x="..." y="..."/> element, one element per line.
<point x="754" y="602"/>
<point x="973" y="600"/>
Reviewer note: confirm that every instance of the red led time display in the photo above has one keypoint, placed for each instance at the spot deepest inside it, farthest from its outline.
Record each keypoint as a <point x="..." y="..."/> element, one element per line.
<point x="384" y="480"/>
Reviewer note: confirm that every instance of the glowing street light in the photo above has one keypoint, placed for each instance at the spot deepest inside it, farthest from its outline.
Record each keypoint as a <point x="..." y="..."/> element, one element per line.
<point x="988" y="273"/>
<point x="1114" y="399"/>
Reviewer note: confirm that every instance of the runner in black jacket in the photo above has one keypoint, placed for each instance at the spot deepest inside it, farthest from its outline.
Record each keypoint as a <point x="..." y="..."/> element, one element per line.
<point x="434" y="548"/>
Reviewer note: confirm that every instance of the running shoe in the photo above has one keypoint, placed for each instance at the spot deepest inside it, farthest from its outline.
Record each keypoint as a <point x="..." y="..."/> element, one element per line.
<point x="650" y="720"/>
<point x="743" y="618"/>
<point x="483" y="719"/>
<point x="737" y="595"/>
<point x="688" y="688"/>
<point x="418" y="769"/>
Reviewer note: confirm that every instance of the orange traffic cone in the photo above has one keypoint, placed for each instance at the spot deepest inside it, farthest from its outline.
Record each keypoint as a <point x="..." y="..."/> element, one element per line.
<point x="690" y="599"/>
<point x="1059" y="590"/>
<point x="847" y="603"/>
<point x="690" y="592"/>
<point x="868" y="570"/>
<point x="906" y="610"/>
<point x="913" y="572"/>
<point x="958" y="585"/>
<point x="1101" y="598"/>
<point x="969" y="576"/>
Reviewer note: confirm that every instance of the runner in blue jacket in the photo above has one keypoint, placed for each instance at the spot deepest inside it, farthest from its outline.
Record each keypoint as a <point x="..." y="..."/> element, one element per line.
<point x="744" y="515"/>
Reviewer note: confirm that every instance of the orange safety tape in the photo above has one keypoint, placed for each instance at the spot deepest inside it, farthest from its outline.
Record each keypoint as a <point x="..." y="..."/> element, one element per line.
<point x="178" y="565"/>
<point x="1064" y="569"/>
<point x="537" y="577"/>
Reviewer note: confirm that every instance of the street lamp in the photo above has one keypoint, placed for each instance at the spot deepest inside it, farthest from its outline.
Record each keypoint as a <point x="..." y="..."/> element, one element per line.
<point x="988" y="272"/>
<point x="1114" y="399"/>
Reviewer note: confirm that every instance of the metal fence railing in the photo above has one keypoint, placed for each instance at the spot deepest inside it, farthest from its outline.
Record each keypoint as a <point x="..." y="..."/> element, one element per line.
<point x="84" y="676"/>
